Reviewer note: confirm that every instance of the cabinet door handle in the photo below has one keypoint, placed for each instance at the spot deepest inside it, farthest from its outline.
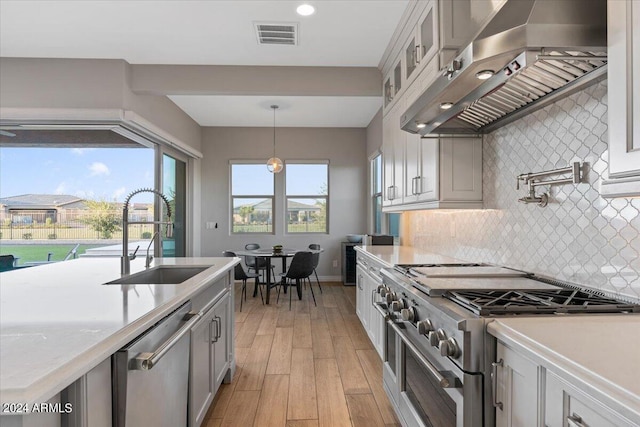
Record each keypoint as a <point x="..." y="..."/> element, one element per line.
<point x="219" y="325"/>
<point x="214" y="339"/>
<point x="575" y="420"/>
<point x="494" y="380"/>
<point x="418" y="185"/>
<point x="417" y="53"/>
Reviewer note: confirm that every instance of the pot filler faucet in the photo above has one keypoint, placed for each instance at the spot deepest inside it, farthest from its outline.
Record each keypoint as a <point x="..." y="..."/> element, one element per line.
<point x="125" y="266"/>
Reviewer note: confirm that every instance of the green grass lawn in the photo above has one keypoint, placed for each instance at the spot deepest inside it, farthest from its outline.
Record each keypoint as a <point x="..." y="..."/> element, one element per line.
<point x="30" y="253"/>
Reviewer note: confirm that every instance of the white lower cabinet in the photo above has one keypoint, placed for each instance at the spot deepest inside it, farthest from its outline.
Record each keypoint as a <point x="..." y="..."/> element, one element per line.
<point x="567" y="405"/>
<point x="516" y="382"/>
<point x="529" y="394"/>
<point x="211" y="356"/>
<point x="368" y="279"/>
<point x="361" y="308"/>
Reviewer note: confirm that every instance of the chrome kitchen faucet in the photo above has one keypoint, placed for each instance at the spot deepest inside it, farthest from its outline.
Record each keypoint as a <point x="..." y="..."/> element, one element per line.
<point x="125" y="265"/>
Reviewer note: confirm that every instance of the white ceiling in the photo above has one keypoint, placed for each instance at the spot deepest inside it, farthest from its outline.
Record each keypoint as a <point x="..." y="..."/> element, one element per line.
<point x="293" y="111"/>
<point x="340" y="33"/>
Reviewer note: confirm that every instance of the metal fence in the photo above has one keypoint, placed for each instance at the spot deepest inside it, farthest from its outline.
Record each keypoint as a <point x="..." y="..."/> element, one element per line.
<point x="69" y="225"/>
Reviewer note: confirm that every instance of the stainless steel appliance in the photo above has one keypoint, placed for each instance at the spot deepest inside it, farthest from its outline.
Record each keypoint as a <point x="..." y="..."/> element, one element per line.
<point x="528" y="54"/>
<point x="438" y="356"/>
<point x="151" y="374"/>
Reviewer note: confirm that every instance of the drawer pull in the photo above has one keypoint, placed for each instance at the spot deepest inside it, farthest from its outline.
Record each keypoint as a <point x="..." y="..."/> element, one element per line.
<point x="575" y="420"/>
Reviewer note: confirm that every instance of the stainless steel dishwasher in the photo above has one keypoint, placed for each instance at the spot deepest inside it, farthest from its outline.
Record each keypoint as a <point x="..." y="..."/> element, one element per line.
<point x="151" y="374"/>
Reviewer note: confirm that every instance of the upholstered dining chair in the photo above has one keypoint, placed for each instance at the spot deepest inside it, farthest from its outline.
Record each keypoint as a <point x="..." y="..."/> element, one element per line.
<point x="240" y="274"/>
<point x="316" y="261"/>
<point x="301" y="268"/>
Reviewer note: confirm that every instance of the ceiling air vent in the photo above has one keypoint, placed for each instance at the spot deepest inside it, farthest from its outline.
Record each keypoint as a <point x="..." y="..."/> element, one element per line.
<point x="277" y="33"/>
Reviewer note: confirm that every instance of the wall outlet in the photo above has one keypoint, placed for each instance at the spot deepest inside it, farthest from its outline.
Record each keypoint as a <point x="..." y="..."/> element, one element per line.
<point x="335" y="263"/>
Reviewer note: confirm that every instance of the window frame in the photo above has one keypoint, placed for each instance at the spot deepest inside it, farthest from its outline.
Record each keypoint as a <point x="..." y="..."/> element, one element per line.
<point x="254" y="196"/>
<point x="375" y="195"/>
<point x="286" y="196"/>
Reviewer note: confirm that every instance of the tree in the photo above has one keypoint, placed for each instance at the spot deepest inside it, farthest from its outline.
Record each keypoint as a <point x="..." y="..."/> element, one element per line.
<point x="103" y="217"/>
<point x="245" y="212"/>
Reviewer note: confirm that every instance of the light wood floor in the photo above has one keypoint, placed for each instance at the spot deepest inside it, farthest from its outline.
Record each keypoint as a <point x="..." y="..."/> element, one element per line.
<point x="311" y="366"/>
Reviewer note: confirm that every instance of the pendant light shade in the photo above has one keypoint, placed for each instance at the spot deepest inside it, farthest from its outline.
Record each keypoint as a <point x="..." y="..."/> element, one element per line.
<point x="274" y="164"/>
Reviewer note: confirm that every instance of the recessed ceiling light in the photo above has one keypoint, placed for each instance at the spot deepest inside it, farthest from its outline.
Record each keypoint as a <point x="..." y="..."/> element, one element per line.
<point x="305" y="10"/>
<point x="421" y="125"/>
<point x="484" y="74"/>
<point x="446" y="105"/>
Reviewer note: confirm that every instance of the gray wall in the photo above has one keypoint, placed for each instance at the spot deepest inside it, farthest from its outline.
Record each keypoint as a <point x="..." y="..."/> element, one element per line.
<point x="88" y="83"/>
<point x="374" y="134"/>
<point x="580" y="237"/>
<point x="345" y="148"/>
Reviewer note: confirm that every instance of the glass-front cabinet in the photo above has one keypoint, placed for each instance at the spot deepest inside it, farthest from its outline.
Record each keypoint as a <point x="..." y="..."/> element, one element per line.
<point x="423" y="44"/>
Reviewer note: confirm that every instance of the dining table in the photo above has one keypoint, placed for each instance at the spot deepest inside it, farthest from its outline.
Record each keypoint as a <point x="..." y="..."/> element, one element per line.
<point x="268" y="254"/>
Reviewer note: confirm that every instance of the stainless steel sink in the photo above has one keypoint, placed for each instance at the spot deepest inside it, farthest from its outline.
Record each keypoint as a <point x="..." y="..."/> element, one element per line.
<point x="161" y="275"/>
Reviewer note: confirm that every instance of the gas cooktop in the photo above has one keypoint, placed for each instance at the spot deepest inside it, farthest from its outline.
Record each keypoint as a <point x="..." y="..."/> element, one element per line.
<point x="560" y="300"/>
<point x="488" y="290"/>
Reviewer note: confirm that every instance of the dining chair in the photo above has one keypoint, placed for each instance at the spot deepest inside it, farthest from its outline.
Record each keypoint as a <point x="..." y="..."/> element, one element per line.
<point x="257" y="264"/>
<point x="316" y="261"/>
<point x="301" y="268"/>
<point x="240" y="274"/>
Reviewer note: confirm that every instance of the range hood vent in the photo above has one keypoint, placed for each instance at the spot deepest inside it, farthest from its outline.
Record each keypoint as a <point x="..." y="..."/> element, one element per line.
<point x="537" y="50"/>
<point x="277" y="33"/>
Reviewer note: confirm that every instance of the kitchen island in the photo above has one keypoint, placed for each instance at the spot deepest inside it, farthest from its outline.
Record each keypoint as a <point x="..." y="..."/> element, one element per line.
<point x="59" y="321"/>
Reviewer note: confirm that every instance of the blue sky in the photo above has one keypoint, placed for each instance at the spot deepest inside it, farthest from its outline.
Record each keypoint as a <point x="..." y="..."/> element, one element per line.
<point x="91" y="173"/>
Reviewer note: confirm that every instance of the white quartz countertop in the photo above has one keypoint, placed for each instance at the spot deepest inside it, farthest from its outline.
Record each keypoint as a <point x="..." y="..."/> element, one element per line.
<point x="394" y="255"/>
<point x="58" y="321"/>
<point x="598" y="353"/>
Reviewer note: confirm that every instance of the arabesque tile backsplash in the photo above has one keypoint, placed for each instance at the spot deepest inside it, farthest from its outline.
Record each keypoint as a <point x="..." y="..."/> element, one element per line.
<point x="579" y="237"/>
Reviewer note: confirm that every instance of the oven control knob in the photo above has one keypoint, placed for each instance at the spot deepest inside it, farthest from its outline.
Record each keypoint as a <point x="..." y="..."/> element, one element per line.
<point x="424" y="326"/>
<point x="435" y="337"/>
<point x="390" y="297"/>
<point x="397" y="305"/>
<point x="408" y="314"/>
<point x="383" y="290"/>
<point x="449" y="348"/>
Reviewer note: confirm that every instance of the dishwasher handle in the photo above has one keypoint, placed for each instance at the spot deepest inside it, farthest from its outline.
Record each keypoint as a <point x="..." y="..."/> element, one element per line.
<point x="146" y="361"/>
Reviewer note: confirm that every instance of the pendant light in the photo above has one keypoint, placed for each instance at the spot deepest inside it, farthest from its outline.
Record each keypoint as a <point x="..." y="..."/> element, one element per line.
<point x="274" y="164"/>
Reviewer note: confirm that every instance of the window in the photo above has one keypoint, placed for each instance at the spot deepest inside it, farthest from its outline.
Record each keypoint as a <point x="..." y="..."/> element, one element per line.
<point x="251" y="198"/>
<point x="391" y="220"/>
<point x="307" y="196"/>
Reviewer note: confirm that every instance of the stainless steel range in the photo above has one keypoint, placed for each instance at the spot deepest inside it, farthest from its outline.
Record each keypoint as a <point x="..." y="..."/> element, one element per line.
<point x="438" y="356"/>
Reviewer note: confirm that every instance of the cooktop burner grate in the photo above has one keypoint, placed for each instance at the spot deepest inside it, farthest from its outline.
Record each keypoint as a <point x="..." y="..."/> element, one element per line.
<point x="487" y="303"/>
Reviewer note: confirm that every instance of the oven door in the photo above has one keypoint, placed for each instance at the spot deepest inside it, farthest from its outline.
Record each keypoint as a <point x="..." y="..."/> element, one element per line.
<point x="390" y="350"/>
<point x="428" y="395"/>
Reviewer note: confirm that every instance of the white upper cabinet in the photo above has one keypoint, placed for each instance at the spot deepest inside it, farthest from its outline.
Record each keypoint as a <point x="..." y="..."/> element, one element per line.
<point x="392" y="159"/>
<point x="623" y="26"/>
<point x="425" y="173"/>
<point x="423" y="42"/>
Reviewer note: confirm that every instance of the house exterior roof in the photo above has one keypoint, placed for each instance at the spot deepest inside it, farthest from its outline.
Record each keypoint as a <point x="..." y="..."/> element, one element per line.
<point x="265" y="205"/>
<point x="43" y="201"/>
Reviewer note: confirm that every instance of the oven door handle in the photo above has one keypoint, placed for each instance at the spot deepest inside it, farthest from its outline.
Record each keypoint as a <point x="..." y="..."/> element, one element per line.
<point x="446" y="379"/>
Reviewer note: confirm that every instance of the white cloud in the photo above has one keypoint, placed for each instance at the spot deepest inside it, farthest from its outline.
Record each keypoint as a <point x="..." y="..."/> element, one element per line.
<point x="98" y="168"/>
<point x="61" y="188"/>
<point x="118" y="193"/>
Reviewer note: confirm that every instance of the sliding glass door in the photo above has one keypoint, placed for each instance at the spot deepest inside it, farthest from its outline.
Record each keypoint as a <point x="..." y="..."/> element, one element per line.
<point x="174" y="186"/>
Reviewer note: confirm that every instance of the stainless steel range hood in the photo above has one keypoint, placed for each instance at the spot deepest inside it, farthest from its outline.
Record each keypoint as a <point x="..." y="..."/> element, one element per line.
<point x="537" y="50"/>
